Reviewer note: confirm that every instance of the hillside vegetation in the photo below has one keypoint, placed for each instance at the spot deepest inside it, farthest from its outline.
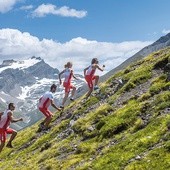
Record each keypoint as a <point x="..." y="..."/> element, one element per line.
<point x="125" y="126"/>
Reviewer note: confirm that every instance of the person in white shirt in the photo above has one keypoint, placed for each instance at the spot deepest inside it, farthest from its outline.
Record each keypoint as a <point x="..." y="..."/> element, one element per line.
<point x="68" y="75"/>
<point x="44" y="102"/>
<point x="6" y="118"/>
<point x="89" y="74"/>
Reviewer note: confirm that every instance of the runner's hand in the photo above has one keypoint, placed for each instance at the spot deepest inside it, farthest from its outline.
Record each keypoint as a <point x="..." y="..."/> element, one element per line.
<point x="59" y="109"/>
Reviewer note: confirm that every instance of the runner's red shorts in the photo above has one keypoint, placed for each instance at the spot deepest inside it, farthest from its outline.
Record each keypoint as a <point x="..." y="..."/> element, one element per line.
<point x="4" y="132"/>
<point x="68" y="86"/>
<point x="46" y="112"/>
<point x="89" y="80"/>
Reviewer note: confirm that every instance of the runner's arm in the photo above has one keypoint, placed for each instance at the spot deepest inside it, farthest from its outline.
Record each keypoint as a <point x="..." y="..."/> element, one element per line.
<point x="59" y="76"/>
<point x="1" y="113"/>
<point x="98" y="67"/>
<point x="85" y="71"/>
<point x="75" y="77"/>
<point x="53" y="105"/>
<point x="12" y="118"/>
<point x="40" y="99"/>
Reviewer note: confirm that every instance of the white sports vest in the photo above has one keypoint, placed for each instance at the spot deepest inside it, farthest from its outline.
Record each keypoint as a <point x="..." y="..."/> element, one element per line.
<point x="5" y="121"/>
<point x="45" y="100"/>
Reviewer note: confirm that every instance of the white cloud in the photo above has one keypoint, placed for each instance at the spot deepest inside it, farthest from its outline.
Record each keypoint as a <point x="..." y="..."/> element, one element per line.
<point x="27" y="7"/>
<point x="45" y="9"/>
<point x="17" y="45"/>
<point x="165" y="31"/>
<point x="7" y="5"/>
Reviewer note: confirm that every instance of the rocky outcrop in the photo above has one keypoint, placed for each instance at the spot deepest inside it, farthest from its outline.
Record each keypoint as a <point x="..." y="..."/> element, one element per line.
<point x="7" y="63"/>
<point x="42" y="70"/>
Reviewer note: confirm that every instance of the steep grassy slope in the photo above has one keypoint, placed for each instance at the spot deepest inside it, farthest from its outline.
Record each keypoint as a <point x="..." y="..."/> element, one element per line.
<point x="126" y="126"/>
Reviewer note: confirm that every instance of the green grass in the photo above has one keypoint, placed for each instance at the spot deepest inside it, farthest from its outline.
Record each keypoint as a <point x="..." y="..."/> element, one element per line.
<point x="132" y="136"/>
<point x="159" y="84"/>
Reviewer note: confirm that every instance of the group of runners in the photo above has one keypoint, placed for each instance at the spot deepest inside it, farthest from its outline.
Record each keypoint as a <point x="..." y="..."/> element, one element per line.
<point x="47" y="100"/>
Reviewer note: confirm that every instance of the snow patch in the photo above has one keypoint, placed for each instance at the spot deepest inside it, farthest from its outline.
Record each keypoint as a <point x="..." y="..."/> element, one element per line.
<point x="3" y="100"/>
<point x="21" y="64"/>
<point x="24" y="92"/>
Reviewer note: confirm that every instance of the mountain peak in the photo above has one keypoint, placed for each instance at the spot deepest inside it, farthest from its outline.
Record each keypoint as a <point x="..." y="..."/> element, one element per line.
<point x="37" y="58"/>
<point x="12" y="61"/>
<point x="20" y="64"/>
<point x="8" y="62"/>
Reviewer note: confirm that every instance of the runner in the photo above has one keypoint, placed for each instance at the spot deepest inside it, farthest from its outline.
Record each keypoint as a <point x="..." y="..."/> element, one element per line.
<point x="89" y="74"/>
<point x="6" y="118"/>
<point x="68" y="74"/>
<point x="45" y="101"/>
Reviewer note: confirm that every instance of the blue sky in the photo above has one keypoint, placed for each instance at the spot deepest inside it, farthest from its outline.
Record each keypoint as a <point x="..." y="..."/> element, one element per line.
<point x="70" y="22"/>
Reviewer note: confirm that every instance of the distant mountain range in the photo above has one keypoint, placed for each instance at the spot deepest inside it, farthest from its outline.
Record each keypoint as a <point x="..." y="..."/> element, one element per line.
<point x="23" y="82"/>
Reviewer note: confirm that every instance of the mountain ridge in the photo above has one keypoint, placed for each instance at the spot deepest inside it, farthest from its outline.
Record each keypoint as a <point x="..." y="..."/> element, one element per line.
<point x="161" y="43"/>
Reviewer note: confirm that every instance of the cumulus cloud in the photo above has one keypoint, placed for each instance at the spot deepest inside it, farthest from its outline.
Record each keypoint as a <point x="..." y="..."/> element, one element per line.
<point x="27" y="7"/>
<point x="165" y="31"/>
<point x="7" y="5"/>
<point x="21" y="45"/>
<point x="46" y="9"/>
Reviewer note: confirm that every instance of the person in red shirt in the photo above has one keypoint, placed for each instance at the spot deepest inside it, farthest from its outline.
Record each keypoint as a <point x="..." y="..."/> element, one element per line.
<point x="6" y="118"/>
<point x="68" y="75"/>
<point x="89" y="74"/>
<point x="44" y="102"/>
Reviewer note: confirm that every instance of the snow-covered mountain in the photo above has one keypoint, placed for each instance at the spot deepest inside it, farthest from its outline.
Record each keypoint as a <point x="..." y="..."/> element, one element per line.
<point x="23" y="82"/>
